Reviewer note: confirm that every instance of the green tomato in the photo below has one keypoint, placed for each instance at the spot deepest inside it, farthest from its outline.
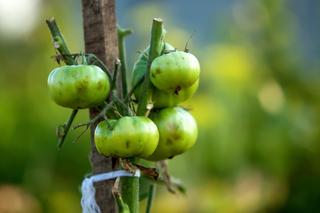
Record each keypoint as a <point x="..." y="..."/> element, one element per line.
<point x="140" y="66"/>
<point x="169" y="99"/>
<point x="78" y="86"/>
<point x="135" y="136"/>
<point x="178" y="132"/>
<point x="173" y="71"/>
<point x="160" y="98"/>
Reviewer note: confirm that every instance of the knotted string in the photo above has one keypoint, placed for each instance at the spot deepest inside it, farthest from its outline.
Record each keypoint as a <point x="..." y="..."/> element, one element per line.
<point x="88" y="201"/>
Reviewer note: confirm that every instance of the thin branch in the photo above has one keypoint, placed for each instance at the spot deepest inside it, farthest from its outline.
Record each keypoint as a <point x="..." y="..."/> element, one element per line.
<point x="59" y="42"/>
<point x="96" y="61"/>
<point x="66" y="128"/>
<point x="166" y="176"/>
<point x="175" y="183"/>
<point x="117" y="65"/>
<point x="151" y="193"/>
<point x="100" y="115"/>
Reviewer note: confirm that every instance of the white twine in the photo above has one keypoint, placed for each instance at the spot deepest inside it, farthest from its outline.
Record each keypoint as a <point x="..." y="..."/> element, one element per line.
<point x="88" y="191"/>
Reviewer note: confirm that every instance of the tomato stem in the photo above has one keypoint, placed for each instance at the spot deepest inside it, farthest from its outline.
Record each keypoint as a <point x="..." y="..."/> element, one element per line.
<point x="66" y="128"/>
<point x="156" y="47"/>
<point x="151" y="193"/>
<point x="122" y="33"/>
<point x="59" y="42"/>
<point x="130" y="185"/>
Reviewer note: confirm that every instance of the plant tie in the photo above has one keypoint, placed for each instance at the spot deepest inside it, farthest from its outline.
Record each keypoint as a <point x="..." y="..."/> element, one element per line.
<point x="88" y="202"/>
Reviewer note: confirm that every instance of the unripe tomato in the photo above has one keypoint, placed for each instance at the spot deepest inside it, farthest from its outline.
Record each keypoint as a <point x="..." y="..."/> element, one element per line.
<point x="178" y="132"/>
<point x="78" y="86"/>
<point x="169" y="99"/>
<point x="140" y="66"/>
<point x="160" y="98"/>
<point x="135" y="136"/>
<point x="173" y="71"/>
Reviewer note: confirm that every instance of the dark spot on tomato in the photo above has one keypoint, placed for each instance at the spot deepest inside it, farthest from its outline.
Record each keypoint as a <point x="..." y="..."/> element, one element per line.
<point x="169" y="141"/>
<point x="81" y="88"/>
<point x="153" y="75"/>
<point x="176" y="136"/>
<point x="100" y="85"/>
<point x="127" y="144"/>
<point x="158" y="71"/>
<point x="170" y="157"/>
<point x="177" y="90"/>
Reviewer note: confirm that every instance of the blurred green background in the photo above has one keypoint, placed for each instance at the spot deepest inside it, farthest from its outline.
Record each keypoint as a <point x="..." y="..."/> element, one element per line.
<point x="258" y="105"/>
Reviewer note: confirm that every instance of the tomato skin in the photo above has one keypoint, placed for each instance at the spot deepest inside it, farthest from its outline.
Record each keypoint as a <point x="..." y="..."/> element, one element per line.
<point x="135" y="136"/>
<point x="175" y="70"/>
<point x="178" y="132"/>
<point x="78" y="86"/>
<point x="169" y="99"/>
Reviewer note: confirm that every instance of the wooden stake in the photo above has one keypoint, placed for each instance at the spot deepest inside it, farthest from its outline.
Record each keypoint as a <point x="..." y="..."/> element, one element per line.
<point x="100" y="34"/>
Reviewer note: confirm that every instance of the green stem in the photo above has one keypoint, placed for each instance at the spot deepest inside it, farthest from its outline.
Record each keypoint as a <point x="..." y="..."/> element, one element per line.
<point x="122" y="33"/>
<point x="66" y="128"/>
<point x="152" y="191"/>
<point x="130" y="185"/>
<point x="130" y="192"/>
<point x="122" y="206"/>
<point x="156" y="44"/>
<point x="59" y="42"/>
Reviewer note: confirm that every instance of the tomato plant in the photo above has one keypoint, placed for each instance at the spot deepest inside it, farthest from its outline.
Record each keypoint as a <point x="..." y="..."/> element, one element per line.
<point x="162" y="78"/>
<point x="178" y="132"/>
<point x="135" y="136"/>
<point x="78" y="86"/>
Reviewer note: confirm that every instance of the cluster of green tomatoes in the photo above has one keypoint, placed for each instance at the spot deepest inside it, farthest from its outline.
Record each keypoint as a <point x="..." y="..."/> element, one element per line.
<point x="169" y="130"/>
